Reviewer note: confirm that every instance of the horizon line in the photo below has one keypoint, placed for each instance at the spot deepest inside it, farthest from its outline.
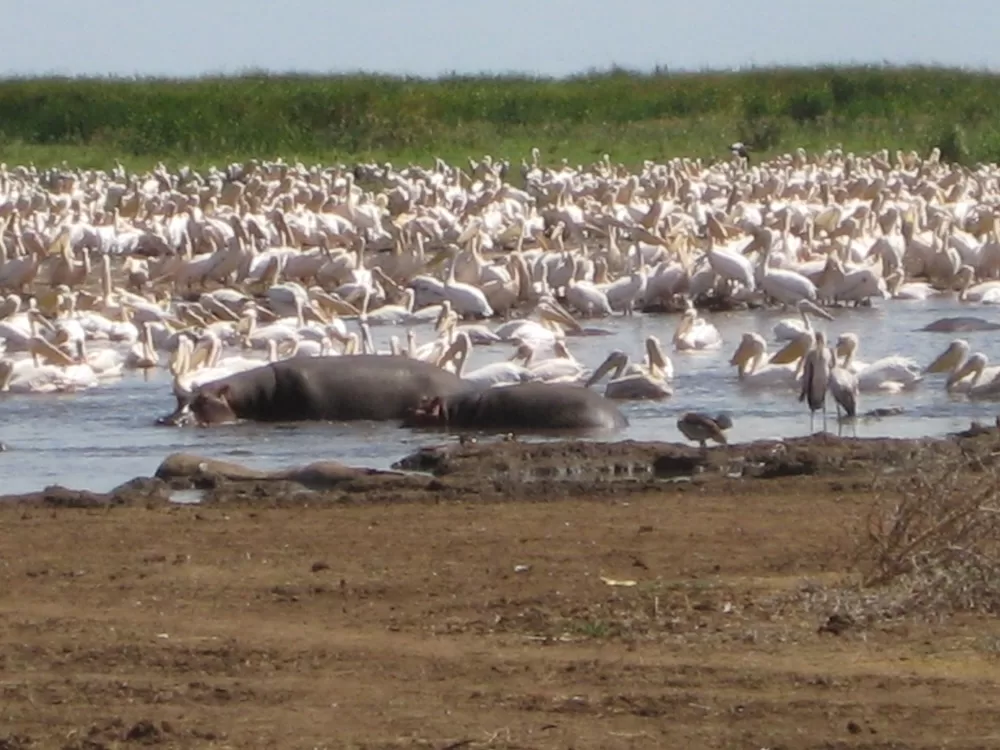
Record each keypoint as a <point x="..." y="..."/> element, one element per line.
<point x="613" y="69"/>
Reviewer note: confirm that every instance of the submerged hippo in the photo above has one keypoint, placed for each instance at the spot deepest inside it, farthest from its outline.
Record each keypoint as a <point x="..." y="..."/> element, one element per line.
<point x="363" y="387"/>
<point x="960" y="324"/>
<point x="524" y="406"/>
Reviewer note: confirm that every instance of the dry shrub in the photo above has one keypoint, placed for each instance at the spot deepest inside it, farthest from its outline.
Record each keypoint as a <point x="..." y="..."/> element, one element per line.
<point x="932" y="540"/>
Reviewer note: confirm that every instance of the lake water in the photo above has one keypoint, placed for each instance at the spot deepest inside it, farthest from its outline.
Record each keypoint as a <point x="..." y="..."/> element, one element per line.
<point x="100" y="438"/>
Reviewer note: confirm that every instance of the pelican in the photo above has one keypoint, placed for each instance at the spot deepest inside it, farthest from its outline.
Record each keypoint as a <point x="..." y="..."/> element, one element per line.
<point x="390" y="314"/>
<point x="790" y="328"/>
<point x="749" y="360"/>
<point x="143" y="355"/>
<point x="893" y="373"/>
<point x="959" y="364"/>
<point x="694" y="333"/>
<point x="28" y="376"/>
<point x="494" y="374"/>
<point x="656" y="357"/>
<point x="816" y="378"/>
<point x="702" y="428"/>
<point x="561" y="368"/>
<point x="638" y="386"/>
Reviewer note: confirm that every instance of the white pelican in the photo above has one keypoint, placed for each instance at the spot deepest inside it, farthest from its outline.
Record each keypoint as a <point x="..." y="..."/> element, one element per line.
<point x="695" y="333"/>
<point x="143" y="354"/>
<point x="749" y="360"/>
<point x="790" y="328"/>
<point x="784" y="285"/>
<point x="561" y="368"/>
<point x="656" y="357"/>
<point x="466" y="300"/>
<point x="493" y="374"/>
<point x="49" y="370"/>
<point x="388" y="315"/>
<point x="635" y="385"/>
<point x="893" y="373"/>
<point x="959" y="364"/>
<point x="190" y="373"/>
<point x="29" y="376"/>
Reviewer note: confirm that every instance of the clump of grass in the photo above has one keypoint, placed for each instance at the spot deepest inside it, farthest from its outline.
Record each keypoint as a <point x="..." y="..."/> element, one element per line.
<point x="931" y="543"/>
<point x="936" y="533"/>
<point x="632" y="115"/>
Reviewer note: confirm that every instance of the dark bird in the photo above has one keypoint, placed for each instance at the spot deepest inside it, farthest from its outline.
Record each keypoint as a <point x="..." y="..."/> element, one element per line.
<point x="739" y="149"/>
<point x="843" y="386"/>
<point x="816" y="378"/>
<point x="702" y="428"/>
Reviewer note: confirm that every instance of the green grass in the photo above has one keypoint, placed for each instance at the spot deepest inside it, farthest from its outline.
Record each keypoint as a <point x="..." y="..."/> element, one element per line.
<point x="632" y="116"/>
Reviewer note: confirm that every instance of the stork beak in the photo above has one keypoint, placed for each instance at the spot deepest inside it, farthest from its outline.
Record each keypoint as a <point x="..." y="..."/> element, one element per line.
<point x="793" y="350"/>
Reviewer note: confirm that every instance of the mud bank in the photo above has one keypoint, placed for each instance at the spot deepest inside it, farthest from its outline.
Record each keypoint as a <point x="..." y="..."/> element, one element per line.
<point x="506" y="595"/>
<point x="498" y="469"/>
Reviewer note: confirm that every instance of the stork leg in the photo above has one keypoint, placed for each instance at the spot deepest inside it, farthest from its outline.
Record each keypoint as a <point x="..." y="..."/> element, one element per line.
<point x="824" y="415"/>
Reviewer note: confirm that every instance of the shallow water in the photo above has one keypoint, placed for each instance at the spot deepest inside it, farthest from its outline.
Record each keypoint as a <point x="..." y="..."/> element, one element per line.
<point x="100" y="438"/>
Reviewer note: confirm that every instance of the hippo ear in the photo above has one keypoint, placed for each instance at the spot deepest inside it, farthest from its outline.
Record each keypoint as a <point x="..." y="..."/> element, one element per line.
<point x="223" y="391"/>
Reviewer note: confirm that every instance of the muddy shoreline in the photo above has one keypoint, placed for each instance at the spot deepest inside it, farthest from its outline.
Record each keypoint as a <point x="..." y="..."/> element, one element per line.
<point x="506" y="595"/>
<point x="496" y="469"/>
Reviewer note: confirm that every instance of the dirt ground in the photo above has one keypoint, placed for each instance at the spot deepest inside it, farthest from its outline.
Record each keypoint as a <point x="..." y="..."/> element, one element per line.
<point x="560" y="596"/>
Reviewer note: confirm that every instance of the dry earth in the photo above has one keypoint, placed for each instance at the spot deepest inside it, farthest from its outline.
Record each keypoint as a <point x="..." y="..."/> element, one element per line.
<point x="482" y="607"/>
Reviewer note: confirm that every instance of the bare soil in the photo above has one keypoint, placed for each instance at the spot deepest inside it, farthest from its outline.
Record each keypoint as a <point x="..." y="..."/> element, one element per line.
<point x="568" y="595"/>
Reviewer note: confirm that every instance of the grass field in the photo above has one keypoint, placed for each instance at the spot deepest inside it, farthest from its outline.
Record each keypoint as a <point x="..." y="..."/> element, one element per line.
<point x="632" y="116"/>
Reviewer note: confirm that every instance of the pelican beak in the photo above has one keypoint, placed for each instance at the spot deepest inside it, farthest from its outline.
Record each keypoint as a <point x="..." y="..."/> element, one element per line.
<point x="553" y="311"/>
<point x="601" y="371"/>
<point x="816" y="310"/>
<point x="793" y="350"/>
<point x="945" y="362"/>
<point x="755" y="244"/>
<point x="958" y="375"/>
<point x="742" y="354"/>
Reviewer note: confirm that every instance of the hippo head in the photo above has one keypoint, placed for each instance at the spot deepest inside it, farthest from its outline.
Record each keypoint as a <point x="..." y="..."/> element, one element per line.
<point x="210" y="405"/>
<point x="429" y="412"/>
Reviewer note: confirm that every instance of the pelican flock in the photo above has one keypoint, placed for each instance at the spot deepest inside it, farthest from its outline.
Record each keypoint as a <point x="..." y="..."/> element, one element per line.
<point x="202" y="274"/>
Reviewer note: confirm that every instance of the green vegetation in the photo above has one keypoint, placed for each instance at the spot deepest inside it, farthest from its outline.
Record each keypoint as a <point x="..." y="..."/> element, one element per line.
<point x="632" y="116"/>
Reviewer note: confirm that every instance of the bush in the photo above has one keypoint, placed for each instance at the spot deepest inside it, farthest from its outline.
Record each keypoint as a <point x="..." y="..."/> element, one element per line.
<point x="809" y="106"/>
<point x="933" y="537"/>
<point x="761" y="134"/>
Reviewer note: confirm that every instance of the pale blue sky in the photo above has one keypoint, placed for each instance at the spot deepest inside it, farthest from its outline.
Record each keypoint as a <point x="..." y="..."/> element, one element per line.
<point x="431" y="37"/>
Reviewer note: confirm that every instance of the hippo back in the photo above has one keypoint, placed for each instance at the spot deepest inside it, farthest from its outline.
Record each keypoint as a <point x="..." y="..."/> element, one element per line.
<point x="535" y="406"/>
<point x="362" y="387"/>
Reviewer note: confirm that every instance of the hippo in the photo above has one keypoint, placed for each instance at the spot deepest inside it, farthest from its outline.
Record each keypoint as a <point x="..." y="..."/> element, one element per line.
<point x="342" y="389"/>
<point x="960" y="324"/>
<point x="522" y="406"/>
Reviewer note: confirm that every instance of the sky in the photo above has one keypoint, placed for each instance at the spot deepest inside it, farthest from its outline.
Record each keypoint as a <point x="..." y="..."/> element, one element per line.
<point x="182" y="38"/>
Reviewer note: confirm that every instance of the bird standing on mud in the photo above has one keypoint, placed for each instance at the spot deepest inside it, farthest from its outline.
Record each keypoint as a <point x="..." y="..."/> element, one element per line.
<point x="816" y="378"/>
<point x="843" y="386"/>
<point x="702" y="428"/>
